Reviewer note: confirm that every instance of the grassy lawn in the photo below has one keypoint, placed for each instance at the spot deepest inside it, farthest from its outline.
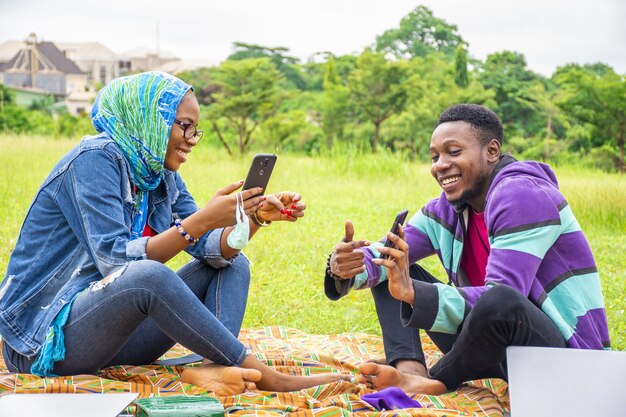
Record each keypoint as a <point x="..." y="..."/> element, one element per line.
<point x="288" y="260"/>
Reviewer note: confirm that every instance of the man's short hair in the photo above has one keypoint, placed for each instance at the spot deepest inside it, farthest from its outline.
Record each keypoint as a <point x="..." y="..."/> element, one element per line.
<point x="485" y="122"/>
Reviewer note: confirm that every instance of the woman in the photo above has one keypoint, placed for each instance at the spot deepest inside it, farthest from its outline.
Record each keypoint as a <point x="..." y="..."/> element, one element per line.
<point x="86" y="285"/>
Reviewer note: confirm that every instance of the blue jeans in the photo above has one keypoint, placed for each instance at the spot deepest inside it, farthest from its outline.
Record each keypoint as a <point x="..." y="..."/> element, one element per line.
<point x="140" y="315"/>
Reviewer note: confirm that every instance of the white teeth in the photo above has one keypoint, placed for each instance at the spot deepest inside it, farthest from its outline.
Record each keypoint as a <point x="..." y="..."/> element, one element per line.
<point x="181" y="153"/>
<point x="450" y="180"/>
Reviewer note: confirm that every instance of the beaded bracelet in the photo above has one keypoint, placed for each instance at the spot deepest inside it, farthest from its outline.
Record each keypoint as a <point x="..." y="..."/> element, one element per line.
<point x="258" y="222"/>
<point x="329" y="272"/>
<point x="192" y="241"/>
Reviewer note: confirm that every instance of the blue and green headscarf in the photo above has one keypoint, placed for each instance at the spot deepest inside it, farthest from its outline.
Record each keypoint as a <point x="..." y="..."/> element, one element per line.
<point x="138" y="112"/>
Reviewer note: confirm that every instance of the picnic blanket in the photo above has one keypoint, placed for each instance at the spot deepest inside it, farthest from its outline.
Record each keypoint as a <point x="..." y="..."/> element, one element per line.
<point x="286" y="350"/>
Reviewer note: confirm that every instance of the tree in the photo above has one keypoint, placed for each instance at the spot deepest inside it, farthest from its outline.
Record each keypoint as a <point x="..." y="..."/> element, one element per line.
<point x="542" y="99"/>
<point x="203" y="82"/>
<point x="506" y="74"/>
<point x="377" y="88"/>
<point x="249" y="94"/>
<point x="333" y="104"/>
<point x="286" y="64"/>
<point x="596" y="95"/>
<point x="419" y="34"/>
<point x="460" y="67"/>
<point x="431" y="88"/>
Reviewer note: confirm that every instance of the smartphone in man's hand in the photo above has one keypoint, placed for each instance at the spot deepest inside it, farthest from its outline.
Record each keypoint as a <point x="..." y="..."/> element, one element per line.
<point x="400" y="218"/>
<point x="260" y="171"/>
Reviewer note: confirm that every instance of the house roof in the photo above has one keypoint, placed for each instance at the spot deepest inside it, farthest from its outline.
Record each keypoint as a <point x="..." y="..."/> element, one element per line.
<point x="144" y="52"/>
<point x="85" y="50"/>
<point x="48" y="58"/>
<point x="9" y="48"/>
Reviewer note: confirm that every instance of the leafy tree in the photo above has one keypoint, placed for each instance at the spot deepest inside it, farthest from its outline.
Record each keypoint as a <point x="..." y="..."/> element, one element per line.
<point x="542" y="99"/>
<point x="6" y="95"/>
<point x="506" y="74"/>
<point x="286" y="64"/>
<point x="419" y="34"/>
<point x="460" y="67"/>
<point x="283" y="129"/>
<point x="377" y="89"/>
<point x="596" y="95"/>
<point x="431" y="88"/>
<point x="203" y="82"/>
<point x="333" y="105"/>
<point x="250" y="93"/>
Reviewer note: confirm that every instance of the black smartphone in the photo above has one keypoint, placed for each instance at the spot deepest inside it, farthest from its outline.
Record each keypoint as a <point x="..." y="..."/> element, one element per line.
<point x="400" y="218"/>
<point x="260" y="171"/>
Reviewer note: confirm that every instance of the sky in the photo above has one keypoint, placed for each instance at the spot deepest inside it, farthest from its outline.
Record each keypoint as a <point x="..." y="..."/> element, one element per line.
<point x="549" y="33"/>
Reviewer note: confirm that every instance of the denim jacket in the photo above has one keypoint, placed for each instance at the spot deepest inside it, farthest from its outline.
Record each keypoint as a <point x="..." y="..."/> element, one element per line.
<point x="77" y="231"/>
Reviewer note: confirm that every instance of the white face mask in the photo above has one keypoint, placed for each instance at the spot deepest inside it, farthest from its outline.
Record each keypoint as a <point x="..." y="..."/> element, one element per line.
<point x="238" y="237"/>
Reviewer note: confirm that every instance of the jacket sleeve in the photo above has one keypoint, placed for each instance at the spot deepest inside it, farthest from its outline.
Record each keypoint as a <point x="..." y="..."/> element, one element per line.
<point x="91" y="191"/>
<point x="523" y="222"/>
<point x="208" y="248"/>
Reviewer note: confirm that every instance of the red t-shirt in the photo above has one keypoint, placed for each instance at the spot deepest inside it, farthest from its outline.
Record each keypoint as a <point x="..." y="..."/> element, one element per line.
<point x="475" y="249"/>
<point x="147" y="230"/>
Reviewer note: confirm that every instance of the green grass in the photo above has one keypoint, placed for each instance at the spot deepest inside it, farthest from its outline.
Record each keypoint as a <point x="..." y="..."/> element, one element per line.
<point x="288" y="260"/>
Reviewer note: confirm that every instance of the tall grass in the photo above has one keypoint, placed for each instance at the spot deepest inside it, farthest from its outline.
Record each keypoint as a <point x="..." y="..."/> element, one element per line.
<point x="288" y="260"/>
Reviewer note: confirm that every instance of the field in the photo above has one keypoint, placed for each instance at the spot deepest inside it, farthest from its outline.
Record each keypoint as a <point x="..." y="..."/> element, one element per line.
<point x="288" y="260"/>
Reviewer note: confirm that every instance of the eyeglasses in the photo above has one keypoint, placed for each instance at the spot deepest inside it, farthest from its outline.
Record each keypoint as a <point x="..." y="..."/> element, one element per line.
<point x="189" y="130"/>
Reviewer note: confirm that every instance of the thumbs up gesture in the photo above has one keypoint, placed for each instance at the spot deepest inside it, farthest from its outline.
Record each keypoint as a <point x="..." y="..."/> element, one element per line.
<point x="346" y="261"/>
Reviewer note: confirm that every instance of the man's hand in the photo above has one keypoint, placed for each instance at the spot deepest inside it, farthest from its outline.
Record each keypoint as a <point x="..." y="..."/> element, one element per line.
<point x="397" y="265"/>
<point x="345" y="261"/>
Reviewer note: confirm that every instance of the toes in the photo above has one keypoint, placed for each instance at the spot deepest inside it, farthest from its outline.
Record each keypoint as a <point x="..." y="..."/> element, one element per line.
<point x="369" y="368"/>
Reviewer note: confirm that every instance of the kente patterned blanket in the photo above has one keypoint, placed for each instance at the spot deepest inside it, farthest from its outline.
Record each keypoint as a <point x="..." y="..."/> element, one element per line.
<point x="289" y="351"/>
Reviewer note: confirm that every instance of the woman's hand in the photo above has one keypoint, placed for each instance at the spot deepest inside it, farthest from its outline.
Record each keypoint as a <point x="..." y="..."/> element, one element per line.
<point x="281" y="206"/>
<point x="397" y="265"/>
<point x="220" y="210"/>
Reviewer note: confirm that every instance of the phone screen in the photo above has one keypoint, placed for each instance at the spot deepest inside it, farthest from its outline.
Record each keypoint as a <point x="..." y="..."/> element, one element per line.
<point x="400" y="218"/>
<point x="260" y="171"/>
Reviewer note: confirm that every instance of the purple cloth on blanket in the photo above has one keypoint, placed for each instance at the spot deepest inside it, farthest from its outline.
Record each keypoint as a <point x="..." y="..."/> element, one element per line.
<point x="391" y="398"/>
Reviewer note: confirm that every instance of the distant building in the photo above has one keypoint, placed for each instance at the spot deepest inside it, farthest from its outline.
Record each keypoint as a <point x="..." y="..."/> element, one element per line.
<point x="41" y="67"/>
<point x="99" y="63"/>
<point x="143" y="59"/>
<point x="72" y="71"/>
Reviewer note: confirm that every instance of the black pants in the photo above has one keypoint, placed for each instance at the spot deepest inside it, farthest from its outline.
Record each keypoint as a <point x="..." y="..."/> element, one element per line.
<point x="501" y="317"/>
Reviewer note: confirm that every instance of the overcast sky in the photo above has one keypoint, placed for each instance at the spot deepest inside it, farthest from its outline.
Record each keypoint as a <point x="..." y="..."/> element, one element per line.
<point x="548" y="32"/>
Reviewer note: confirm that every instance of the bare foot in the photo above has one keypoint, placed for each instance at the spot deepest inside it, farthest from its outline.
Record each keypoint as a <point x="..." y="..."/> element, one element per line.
<point x="383" y="376"/>
<point x="222" y="380"/>
<point x="283" y="382"/>
<point x="410" y="366"/>
<point x="380" y="361"/>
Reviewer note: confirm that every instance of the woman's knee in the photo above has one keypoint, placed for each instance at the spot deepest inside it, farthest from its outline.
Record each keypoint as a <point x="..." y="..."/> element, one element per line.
<point x="240" y="266"/>
<point x="148" y="271"/>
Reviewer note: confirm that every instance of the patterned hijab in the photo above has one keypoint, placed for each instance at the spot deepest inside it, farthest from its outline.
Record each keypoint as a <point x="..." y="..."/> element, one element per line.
<point x="138" y="112"/>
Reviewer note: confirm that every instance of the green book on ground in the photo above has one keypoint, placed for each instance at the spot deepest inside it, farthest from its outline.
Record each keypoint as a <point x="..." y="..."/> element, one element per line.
<point x="179" y="406"/>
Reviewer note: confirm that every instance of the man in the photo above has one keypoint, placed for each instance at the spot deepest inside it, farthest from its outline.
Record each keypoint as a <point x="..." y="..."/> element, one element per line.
<point x="522" y="269"/>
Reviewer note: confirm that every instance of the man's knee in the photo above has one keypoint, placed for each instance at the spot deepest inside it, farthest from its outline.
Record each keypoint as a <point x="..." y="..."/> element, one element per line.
<point x="501" y="300"/>
<point x="418" y="273"/>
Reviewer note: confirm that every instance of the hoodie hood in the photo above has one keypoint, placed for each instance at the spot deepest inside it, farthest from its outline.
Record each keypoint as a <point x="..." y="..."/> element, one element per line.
<point x="533" y="169"/>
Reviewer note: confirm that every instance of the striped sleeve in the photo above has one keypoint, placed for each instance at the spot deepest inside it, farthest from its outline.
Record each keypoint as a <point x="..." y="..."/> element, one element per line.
<point x="420" y="247"/>
<point x="523" y="222"/>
